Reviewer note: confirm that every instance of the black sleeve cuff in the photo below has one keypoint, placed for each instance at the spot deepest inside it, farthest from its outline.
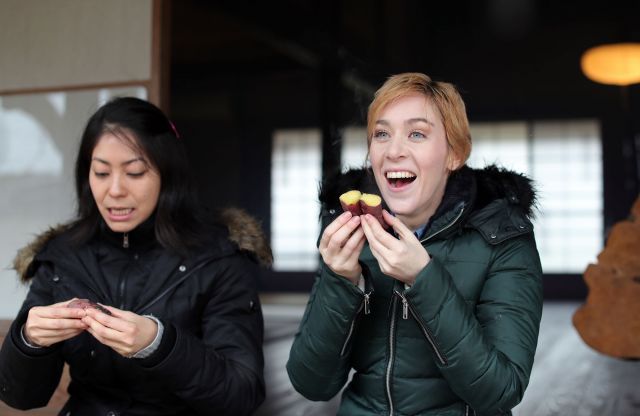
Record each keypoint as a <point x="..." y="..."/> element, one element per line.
<point x="164" y="349"/>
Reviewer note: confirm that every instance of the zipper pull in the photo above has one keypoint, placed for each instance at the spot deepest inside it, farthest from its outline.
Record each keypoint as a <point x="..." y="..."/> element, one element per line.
<point x="125" y="240"/>
<point x="367" y="308"/>
<point x="405" y="308"/>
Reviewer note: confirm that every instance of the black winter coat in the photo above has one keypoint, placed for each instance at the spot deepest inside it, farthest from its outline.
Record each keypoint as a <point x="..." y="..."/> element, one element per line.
<point x="210" y="358"/>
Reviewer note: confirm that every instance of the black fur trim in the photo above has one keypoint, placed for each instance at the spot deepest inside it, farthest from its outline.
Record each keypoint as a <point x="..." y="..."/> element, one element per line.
<point x="495" y="182"/>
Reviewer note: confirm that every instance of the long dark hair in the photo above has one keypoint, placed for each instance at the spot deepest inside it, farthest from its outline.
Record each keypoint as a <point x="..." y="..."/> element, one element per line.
<point x="179" y="221"/>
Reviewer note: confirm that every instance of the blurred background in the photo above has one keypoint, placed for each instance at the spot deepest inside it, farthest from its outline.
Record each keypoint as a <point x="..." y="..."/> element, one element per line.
<point x="271" y="96"/>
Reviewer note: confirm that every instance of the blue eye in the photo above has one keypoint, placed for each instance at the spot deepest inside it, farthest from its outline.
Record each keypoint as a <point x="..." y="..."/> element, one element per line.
<point x="380" y="134"/>
<point x="416" y="135"/>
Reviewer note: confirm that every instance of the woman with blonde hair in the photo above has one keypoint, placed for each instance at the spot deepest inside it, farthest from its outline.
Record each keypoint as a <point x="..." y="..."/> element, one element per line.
<point x="439" y="314"/>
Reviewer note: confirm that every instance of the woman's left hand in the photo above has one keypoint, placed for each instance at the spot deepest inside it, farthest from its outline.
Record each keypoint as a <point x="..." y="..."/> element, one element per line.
<point x="401" y="258"/>
<point x="125" y="332"/>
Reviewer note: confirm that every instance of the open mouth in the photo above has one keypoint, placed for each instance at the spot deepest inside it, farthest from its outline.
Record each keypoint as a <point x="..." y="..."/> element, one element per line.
<point x="399" y="179"/>
<point x="120" y="212"/>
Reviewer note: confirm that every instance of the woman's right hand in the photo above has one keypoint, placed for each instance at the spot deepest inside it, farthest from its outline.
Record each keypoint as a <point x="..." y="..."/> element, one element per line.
<point x="47" y="325"/>
<point x="341" y="244"/>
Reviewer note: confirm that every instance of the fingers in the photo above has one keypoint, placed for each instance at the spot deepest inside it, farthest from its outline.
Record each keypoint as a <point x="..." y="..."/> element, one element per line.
<point x="376" y="235"/>
<point x="57" y="311"/>
<point x="47" y="338"/>
<point x="127" y="333"/>
<point x="336" y="233"/>
<point x="402" y="231"/>
<point x="117" y="321"/>
<point x="47" y="325"/>
<point x="335" y="225"/>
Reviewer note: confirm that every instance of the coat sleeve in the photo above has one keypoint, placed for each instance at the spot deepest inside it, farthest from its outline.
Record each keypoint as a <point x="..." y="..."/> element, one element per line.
<point x="318" y="364"/>
<point x="222" y="373"/>
<point x="485" y="353"/>
<point x="28" y="376"/>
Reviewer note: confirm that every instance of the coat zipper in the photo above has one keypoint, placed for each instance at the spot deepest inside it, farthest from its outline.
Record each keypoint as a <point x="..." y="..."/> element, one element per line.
<point x="122" y="282"/>
<point x="444" y="228"/>
<point x="363" y="305"/>
<point x="406" y="308"/>
<point x="392" y="334"/>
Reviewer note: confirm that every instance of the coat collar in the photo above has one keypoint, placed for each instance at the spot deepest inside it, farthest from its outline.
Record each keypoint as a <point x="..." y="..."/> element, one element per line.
<point x="238" y="231"/>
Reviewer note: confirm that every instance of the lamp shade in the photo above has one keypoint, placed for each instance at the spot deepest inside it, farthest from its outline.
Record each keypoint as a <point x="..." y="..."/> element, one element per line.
<point x="613" y="64"/>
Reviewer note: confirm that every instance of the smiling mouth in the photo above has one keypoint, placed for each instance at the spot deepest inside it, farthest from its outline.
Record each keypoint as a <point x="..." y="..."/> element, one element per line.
<point x="120" y="212"/>
<point x="398" y="179"/>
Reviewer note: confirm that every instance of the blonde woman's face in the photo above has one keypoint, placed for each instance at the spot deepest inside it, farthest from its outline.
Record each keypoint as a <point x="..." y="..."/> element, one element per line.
<point x="123" y="184"/>
<point x="410" y="158"/>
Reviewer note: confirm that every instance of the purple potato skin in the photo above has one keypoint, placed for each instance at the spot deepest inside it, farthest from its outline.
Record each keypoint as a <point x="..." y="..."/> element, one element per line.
<point x="86" y="303"/>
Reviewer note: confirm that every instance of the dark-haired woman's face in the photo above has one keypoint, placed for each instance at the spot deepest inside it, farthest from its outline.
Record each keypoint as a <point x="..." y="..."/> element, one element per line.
<point x="124" y="185"/>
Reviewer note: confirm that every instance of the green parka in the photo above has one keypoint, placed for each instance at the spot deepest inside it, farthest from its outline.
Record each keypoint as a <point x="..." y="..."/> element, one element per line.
<point x="461" y="340"/>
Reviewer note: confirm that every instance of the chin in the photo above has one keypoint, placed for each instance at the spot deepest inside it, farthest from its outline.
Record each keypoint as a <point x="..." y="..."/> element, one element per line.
<point x="119" y="227"/>
<point x="401" y="207"/>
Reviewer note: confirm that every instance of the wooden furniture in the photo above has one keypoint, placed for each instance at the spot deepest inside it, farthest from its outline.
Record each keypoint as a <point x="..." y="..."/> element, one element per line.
<point x="609" y="321"/>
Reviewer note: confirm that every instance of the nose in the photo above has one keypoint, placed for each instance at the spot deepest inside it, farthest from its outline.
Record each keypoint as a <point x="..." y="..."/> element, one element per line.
<point x="117" y="187"/>
<point x="396" y="148"/>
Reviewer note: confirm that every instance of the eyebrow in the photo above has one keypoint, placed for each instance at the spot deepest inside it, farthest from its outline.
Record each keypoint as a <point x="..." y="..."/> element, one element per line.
<point x="408" y="122"/>
<point x="125" y="163"/>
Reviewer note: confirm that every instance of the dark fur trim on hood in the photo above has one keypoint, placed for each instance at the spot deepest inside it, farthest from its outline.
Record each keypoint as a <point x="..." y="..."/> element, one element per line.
<point x="491" y="183"/>
<point x="494" y="182"/>
<point x="244" y="230"/>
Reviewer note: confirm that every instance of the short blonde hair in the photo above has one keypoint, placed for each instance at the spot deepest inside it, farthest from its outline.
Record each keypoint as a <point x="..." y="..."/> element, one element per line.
<point x="443" y="95"/>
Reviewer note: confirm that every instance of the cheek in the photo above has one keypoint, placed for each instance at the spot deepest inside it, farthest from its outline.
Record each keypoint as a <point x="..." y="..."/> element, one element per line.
<point x="151" y="195"/>
<point x="95" y="188"/>
<point x="374" y="156"/>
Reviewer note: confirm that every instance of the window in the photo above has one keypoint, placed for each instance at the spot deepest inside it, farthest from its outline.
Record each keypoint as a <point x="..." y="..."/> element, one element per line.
<point x="295" y="176"/>
<point x="564" y="159"/>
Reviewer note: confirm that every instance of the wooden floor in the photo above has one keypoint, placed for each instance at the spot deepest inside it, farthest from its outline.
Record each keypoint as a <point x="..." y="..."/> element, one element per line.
<point x="568" y="377"/>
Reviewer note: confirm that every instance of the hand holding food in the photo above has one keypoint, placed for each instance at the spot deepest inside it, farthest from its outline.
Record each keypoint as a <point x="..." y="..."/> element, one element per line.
<point x="48" y="325"/>
<point x="401" y="257"/>
<point x="123" y="331"/>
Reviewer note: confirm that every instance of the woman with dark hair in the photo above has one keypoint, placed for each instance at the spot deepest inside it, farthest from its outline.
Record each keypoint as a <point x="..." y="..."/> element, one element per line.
<point x="153" y="307"/>
<point x="439" y="313"/>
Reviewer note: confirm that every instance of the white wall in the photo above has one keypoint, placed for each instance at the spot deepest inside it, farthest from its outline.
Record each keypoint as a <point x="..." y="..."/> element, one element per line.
<point x="48" y="43"/>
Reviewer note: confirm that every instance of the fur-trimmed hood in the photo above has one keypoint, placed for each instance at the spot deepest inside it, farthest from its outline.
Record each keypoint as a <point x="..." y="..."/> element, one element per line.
<point x="244" y="230"/>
